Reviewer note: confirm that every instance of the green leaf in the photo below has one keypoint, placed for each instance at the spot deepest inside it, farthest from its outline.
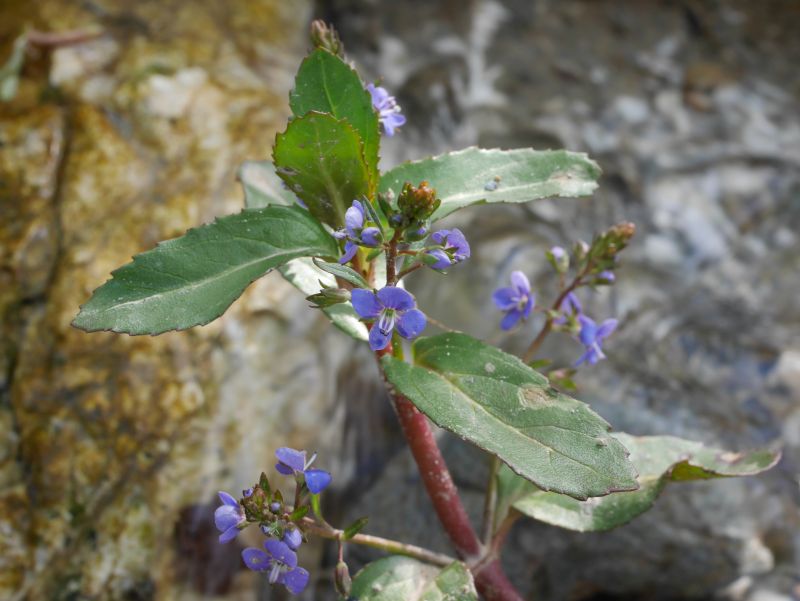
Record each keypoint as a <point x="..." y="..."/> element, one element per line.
<point x="326" y="84"/>
<point x="354" y="528"/>
<point x="191" y="280"/>
<point x="348" y="274"/>
<point x="500" y="404"/>
<point x="306" y="277"/>
<point x="398" y="578"/>
<point x="469" y="176"/>
<point x="262" y="186"/>
<point x="659" y="459"/>
<point x="320" y="159"/>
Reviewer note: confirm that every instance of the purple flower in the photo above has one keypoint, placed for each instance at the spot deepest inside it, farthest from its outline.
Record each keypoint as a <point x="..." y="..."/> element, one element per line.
<point x="280" y="563"/>
<point x="391" y="307"/>
<point x="569" y="306"/>
<point x="293" y="462"/>
<point x="591" y="336"/>
<point x="228" y="517"/>
<point x="516" y="300"/>
<point x="455" y="248"/>
<point x="387" y="107"/>
<point x="607" y="276"/>
<point x="355" y="233"/>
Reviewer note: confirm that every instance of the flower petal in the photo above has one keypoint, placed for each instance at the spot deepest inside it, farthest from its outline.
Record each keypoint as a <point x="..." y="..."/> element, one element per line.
<point x="293" y="538"/>
<point x="317" y="480"/>
<point x="350" y="250"/>
<point x="520" y="281"/>
<point x="394" y="297"/>
<point x="226" y="517"/>
<point x="255" y="559"/>
<point x="229" y="534"/>
<point x="366" y="303"/>
<point x="377" y="339"/>
<point x="588" y="333"/>
<point x="458" y="241"/>
<point x="444" y="261"/>
<point x="281" y="552"/>
<point x="354" y="219"/>
<point x="511" y="319"/>
<point x="526" y="312"/>
<point x="371" y="236"/>
<point x="296" y="580"/>
<point x="608" y="326"/>
<point x="292" y="458"/>
<point x="227" y="499"/>
<point x="378" y="94"/>
<point x="440" y="236"/>
<point x="411" y="323"/>
<point x="571" y="303"/>
<point x="284" y="469"/>
<point x="505" y="298"/>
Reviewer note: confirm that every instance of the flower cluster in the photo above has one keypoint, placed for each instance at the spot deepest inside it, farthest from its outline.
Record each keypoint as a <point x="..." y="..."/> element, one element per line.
<point x="279" y="523"/>
<point x="387" y="107"/>
<point x="354" y="232"/>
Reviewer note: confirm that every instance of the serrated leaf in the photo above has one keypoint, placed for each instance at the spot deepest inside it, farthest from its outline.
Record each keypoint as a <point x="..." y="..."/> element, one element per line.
<point x="659" y="459"/>
<point x="398" y="578"/>
<point x="348" y="274"/>
<point x="262" y="186"/>
<point x="191" y="280"/>
<point x="470" y="176"/>
<point x="498" y="403"/>
<point x="326" y="84"/>
<point x="320" y="159"/>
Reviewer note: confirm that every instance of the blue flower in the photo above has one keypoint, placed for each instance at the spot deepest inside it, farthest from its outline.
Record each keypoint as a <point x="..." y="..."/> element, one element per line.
<point x="292" y="462"/>
<point x="516" y="300"/>
<point x="391" y="307"/>
<point x="228" y="517"/>
<point x="455" y="248"/>
<point x="591" y="336"/>
<point x="280" y="563"/>
<point x="387" y="107"/>
<point x="355" y="233"/>
<point x="606" y="277"/>
<point x="569" y="306"/>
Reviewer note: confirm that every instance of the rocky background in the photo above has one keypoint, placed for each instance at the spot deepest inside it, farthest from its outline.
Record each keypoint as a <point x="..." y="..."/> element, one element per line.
<point x="113" y="446"/>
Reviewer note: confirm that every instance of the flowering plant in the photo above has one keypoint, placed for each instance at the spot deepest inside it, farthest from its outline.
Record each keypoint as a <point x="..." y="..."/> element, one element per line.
<point x="347" y="234"/>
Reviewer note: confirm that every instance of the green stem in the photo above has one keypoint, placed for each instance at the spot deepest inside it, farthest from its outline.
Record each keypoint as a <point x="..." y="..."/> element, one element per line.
<point x="490" y="502"/>
<point x="377" y="542"/>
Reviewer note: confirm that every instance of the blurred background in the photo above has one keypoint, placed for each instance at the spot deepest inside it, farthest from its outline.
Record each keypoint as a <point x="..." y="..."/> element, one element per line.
<point x="113" y="447"/>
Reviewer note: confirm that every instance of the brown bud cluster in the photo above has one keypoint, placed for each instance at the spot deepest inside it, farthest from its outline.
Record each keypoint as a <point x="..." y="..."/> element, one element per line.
<point x="418" y="203"/>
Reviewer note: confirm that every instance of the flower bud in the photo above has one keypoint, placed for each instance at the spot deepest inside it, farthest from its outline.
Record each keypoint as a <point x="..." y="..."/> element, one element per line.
<point x="329" y="296"/>
<point x="326" y="38"/>
<point x="418" y="203"/>
<point x="342" y="579"/>
<point x="275" y="507"/>
<point x="559" y="259"/>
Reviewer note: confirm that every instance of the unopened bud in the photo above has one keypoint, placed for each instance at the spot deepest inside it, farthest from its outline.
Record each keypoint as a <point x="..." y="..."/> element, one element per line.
<point x="342" y="579"/>
<point x="325" y="37"/>
<point x="275" y="507"/>
<point x="559" y="259"/>
<point x="624" y="230"/>
<point x="329" y="296"/>
<point x="418" y="203"/>
<point x="414" y="233"/>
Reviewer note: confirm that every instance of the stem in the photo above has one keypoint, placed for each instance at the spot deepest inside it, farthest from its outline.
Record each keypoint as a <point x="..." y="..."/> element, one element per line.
<point x="376" y="542"/>
<point x="54" y="39"/>
<point x="490" y="502"/>
<point x="548" y="324"/>
<point x="391" y="260"/>
<point x="411" y="269"/>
